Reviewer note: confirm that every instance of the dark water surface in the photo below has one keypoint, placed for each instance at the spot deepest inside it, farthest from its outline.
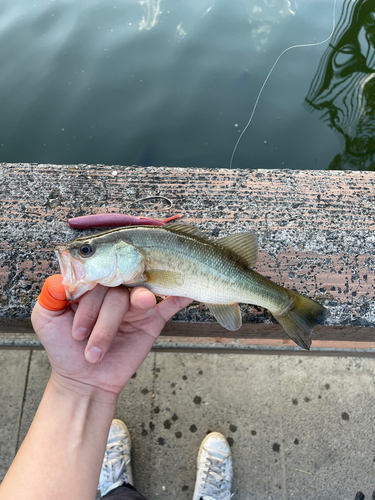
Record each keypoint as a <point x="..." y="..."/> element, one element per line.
<point x="172" y="83"/>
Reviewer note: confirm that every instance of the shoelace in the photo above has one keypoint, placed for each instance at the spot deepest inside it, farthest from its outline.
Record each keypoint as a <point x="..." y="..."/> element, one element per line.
<point x="215" y="476"/>
<point x="226" y="496"/>
<point x="115" y="459"/>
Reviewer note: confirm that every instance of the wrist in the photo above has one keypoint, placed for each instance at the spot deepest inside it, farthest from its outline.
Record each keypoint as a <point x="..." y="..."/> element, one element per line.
<point x="74" y="389"/>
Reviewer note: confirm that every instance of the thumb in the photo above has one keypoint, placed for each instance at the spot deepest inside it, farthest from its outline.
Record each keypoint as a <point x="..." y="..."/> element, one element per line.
<point x="51" y="303"/>
<point x="53" y="295"/>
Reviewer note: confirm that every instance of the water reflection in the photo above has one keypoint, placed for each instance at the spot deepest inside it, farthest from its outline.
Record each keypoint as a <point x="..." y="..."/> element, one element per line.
<point x="152" y="11"/>
<point x="343" y="88"/>
<point x="263" y="16"/>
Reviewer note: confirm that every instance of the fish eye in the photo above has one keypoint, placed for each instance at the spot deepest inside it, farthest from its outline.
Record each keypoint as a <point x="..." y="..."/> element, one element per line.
<point x="86" y="250"/>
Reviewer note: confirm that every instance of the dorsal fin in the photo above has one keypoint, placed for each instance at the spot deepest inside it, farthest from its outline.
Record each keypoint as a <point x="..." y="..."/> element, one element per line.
<point x="243" y="244"/>
<point x="185" y="229"/>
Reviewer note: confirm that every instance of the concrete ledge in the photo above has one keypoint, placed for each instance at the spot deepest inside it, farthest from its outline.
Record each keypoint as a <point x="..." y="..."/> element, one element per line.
<point x="223" y="345"/>
<point x="315" y="229"/>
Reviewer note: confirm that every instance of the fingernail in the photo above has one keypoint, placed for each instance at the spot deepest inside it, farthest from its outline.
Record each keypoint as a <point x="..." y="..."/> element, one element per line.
<point x="80" y="333"/>
<point x="93" y="354"/>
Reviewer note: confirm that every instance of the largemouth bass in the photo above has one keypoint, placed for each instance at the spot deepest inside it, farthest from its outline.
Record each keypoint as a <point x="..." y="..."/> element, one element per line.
<point x="180" y="260"/>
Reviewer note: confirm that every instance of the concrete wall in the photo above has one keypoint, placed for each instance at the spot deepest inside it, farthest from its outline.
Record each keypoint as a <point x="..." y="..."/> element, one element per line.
<point x="315" y="231"/>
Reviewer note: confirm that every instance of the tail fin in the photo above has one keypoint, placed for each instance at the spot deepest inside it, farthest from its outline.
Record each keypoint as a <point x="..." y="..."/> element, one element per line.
<point x="301" y="318"/>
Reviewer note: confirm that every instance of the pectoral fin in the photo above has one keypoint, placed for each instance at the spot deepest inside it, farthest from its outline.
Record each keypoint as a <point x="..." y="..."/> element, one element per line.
<point x="228" y="315"/>
<point x="164" y="278"/>
<point x="243" y="244"/>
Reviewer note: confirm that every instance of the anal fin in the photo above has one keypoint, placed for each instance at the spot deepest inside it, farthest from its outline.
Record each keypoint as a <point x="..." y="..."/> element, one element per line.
<point x="228" y="315"/>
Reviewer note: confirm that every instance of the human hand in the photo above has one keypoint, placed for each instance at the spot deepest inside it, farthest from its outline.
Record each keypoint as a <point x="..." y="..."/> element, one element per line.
<point x="102" y="338"/>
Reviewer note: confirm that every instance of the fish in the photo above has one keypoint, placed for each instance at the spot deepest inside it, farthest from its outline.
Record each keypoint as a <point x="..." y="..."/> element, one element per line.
<point x="116" y="220"/>
<point x="178" y="259"/>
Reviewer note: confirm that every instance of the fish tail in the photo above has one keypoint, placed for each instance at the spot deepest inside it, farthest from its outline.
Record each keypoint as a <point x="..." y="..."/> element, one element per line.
<point x="299" y="321"/>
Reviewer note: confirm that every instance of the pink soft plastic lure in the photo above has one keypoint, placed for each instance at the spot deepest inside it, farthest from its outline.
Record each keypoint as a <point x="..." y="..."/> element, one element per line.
<point x="116" y="220"/>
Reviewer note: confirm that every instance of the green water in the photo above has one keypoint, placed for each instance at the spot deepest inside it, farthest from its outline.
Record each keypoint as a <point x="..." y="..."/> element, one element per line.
<point x="173" y="83"/>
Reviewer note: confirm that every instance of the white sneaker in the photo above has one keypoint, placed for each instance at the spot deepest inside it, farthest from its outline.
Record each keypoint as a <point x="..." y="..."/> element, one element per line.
<point x="116" y="468"/>
<point x="215" y="470"/>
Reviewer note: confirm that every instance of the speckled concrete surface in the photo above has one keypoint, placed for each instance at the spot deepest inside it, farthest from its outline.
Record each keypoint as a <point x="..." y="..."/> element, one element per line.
<point x="299" y="427"/>
<point x="315" y="228"/>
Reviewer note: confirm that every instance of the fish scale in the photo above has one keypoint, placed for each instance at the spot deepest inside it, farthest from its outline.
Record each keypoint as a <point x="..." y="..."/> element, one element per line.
<point x="206" y="265"/>
<point x="179" y="260"/>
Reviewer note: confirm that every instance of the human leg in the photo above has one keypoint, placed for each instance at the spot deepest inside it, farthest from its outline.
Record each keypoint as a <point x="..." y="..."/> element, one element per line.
<point x="124" y="492"/>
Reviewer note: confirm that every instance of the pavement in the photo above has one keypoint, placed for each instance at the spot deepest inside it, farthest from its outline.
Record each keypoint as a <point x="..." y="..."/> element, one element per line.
<point x="299" y="427"/>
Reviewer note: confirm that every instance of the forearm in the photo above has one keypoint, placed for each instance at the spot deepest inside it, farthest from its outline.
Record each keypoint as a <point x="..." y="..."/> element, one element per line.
<point x="62" y="453"/>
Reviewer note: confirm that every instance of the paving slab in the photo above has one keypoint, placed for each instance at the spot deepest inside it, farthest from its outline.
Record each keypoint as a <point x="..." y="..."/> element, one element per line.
<point x="199" y="393"/>
<point x="328" y="427"/>
<point x="136" y="409"/>
<point x="39" y="373"/>
<point x="13" y="372"/>
<point x="249" y="394"/>
<point x="298" y="427"/>
<point x="185" y="395"/>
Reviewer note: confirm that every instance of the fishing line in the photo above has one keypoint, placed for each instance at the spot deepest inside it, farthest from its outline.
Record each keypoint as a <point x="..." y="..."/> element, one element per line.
<point x="270" y="72"/>
<point x="152" y="198"/>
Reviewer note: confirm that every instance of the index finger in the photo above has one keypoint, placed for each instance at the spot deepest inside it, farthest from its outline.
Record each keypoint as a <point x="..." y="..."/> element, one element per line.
<point x="87" y="312"/>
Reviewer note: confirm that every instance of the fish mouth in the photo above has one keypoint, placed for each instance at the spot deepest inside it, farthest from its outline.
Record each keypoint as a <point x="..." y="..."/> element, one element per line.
<point x="73" y="274"/>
